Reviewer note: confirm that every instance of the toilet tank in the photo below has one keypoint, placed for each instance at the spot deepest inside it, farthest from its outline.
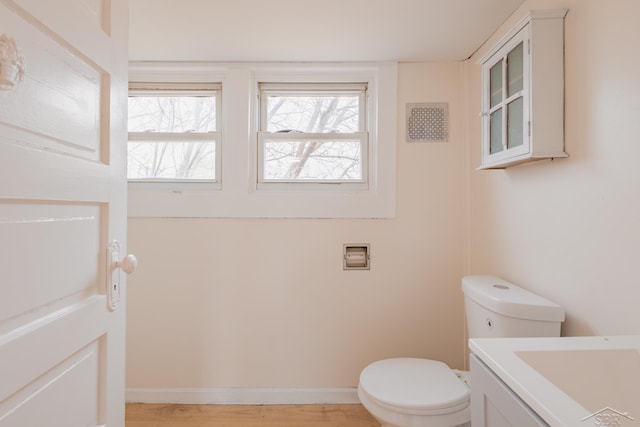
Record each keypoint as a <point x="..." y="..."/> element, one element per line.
<point x="496" y="308"/>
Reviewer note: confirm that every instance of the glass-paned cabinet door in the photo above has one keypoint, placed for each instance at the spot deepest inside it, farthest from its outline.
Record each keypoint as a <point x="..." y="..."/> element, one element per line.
<point x="522" y="106"/>
<point x="505" y="101"/>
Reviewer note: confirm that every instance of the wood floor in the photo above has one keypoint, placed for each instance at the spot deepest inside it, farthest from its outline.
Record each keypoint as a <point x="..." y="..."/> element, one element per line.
<point x="163" y="415"/>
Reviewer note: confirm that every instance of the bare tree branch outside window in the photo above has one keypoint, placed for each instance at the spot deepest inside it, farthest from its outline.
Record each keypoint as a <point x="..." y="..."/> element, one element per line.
<point x="299" y="156"/>
<point x="176" y="154"/>
<point x="311" y="136"/>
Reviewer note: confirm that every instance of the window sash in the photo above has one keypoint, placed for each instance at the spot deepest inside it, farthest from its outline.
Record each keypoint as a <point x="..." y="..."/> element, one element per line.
<point x="313" y="89"/>
<point x="267" y="90"/>
<point x="361" y="137"/>
<point x="178" y="89"/>
<point x="172" y="138"/>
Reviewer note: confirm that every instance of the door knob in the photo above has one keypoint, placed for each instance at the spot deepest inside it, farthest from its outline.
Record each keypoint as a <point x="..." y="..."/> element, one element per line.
<point x="128" y="264"/>
<point x="115" y="264"/>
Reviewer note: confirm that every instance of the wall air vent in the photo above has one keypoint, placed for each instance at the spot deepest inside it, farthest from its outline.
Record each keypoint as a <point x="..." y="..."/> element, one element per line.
<point x="428" y="122"/>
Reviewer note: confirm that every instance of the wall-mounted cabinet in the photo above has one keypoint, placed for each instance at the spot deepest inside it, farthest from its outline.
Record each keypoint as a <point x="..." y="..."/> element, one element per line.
<point x="523" y="93"/>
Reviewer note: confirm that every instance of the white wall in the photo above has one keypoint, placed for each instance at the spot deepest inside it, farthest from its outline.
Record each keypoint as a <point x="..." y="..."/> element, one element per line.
<point x="255" y="303"/>
<point x="569" y="229"/>
<point x="265" y="303"/>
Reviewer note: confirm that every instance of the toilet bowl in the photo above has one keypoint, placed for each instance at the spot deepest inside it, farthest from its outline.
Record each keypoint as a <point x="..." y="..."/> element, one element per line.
<point x="410" y="392"/>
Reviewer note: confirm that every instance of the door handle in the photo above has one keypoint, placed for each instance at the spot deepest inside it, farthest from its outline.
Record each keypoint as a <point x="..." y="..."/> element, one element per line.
<point x="115" y="265"/>
<point x="127" y="264"/>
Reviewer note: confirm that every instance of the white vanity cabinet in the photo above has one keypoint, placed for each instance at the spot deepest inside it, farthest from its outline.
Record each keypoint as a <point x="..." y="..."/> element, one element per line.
<point x="494" y="404"/>
<point x="523" y="93"/>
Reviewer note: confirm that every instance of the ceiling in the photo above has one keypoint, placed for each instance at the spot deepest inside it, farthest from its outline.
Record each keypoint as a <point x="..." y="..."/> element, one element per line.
<point x="312" y="30"/>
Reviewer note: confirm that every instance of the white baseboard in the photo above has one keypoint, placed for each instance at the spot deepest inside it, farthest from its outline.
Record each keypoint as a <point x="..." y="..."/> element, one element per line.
<point x="244" y="396"/>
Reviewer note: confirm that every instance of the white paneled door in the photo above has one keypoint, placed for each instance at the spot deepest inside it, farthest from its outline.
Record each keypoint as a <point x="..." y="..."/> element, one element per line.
<point x="63" y="89"/>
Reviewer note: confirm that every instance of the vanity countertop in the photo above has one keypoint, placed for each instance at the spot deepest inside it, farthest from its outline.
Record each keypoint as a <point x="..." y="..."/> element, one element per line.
<point x="569" y="381"/>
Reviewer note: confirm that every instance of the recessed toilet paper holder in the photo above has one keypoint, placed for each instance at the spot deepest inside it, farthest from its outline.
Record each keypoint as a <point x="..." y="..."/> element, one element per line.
<point x="356" y="256"/>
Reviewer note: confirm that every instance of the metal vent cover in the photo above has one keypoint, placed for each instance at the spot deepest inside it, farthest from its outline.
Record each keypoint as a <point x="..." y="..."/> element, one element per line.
<point x="427" y="122"/>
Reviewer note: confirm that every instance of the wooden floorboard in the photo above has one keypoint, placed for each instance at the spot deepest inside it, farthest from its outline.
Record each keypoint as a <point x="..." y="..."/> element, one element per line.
<point x="165" y="415"/>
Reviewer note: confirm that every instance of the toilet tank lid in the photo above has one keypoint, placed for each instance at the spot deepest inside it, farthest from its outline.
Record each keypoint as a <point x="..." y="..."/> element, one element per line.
<point x="505" y="298"/>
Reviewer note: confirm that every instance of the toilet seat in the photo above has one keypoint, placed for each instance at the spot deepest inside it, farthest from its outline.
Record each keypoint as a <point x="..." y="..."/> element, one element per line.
<point x="414" y="386"/>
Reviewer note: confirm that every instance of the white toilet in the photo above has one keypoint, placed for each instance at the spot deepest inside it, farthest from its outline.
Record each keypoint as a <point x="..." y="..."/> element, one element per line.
<point x="410" y="392"/>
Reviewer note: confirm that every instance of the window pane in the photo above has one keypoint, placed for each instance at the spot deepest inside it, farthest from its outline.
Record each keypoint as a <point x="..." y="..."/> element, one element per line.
<point x="312" y="160"/>
<point x="495" y="84"/>
<point x="313" y="114"/>
<point x="172" y="113"/>
<point x="515" y="122"/>
<point x="150" y="160"/>
<point x="495" y="132"/>
<point x="515" y="67"/>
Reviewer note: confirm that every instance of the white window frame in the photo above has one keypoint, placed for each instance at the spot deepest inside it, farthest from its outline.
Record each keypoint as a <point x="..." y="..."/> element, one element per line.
<point x="240" y="195"/>
<point x="301" y="89"/>
<point x="146" y="88"/>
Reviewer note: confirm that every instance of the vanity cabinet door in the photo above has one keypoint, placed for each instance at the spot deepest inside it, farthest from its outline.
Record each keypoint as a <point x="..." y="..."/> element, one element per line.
<point x="494" y="404"/>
